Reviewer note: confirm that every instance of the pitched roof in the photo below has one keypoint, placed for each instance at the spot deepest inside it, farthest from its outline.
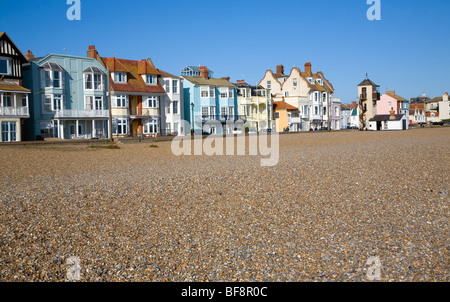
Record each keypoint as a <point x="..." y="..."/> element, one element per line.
<point x="282" y="105"/>
<point x="165" y="74"/>
<point x="368" y="82"/>
<point x="397" y="97"/>
<point x="385" y="117"/>
<point x="135" y="82"/>
<point x="8" y="86"/>
<point x="199" y="81"/>
<point x="437" y="99"/>
<point x="3" y="35"/>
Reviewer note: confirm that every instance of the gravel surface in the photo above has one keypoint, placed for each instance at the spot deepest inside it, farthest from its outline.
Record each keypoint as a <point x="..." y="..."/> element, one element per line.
<point x="139" y="213"/>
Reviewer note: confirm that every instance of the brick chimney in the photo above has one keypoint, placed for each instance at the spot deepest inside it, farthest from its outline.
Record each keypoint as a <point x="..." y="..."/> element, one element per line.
<point x="390" y="92"/>
<point x="29" y="56"/>
<point x="92" y="53"/>
<point x="392" y="114"/>
<point x="280" y="70"/>
<point x="241" y="82"/>
<point x="142" y="67"/>
<point x="445" y="98"/>
<point x="308" y="68"/>
<point x="204" y="72"/>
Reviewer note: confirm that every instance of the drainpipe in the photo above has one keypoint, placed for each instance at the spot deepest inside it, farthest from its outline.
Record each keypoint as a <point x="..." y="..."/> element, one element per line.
<point x="109" y="107"/>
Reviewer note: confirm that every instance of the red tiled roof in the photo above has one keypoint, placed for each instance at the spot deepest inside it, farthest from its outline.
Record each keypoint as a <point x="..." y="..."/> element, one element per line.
<point x="134" y="70"/>
<point x="283" y="106"/>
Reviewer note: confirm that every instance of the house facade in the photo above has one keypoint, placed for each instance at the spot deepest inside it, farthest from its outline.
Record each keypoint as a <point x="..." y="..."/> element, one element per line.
<point x="391" y="101"/>
<point x="335" y="114"/>
<point x="68" y="97"/>
<point x="310" y="92"/>
<point x="417" y="110"/>
<point x="173" y="103"/>
<point x="210" y="100"/>
<point x="444" y="108"/>
<point x="14" y="97"/>
<point x="285" y="114"/>
<point x="346" y="113"/>
<point x="256" y="105"/>
<point x="389" y="122"/>
<point x="136" y="94"/>
<point x="368" y="96"/>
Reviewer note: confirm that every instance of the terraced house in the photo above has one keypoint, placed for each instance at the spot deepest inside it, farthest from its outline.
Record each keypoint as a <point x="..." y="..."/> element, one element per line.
<point x="309" y="92"/>
<point x="14" y="98"/>
<point x="68" y="97"/>
<point x="255" y="103"/>
<point x="210" y="100"/>
<point x="135" y="96"/>
<point x="172" y="101"/>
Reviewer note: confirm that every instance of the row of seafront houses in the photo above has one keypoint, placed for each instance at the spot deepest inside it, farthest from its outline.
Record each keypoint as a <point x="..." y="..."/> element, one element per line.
<point x="69" y="97"/>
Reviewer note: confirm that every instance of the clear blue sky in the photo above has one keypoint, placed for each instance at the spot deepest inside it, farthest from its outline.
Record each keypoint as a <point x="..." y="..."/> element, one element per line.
<point x="408" y="50"/>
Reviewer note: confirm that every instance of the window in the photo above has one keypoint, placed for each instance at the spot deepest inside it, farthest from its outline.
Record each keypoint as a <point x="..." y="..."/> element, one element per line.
<point x="205" y="112"/>
<point x="175" y="86"/>
<point x="336" y="111"/>
<point x="57" y="103"/>
<point x="89" y="104"/>
<point x="120" y="77"/>
<point x="286" y="93"/>
<point x="175" y="107"/>
<point x="151" y="102"/>
<point x="212" y="112"/>
<point x="231" y="112"/>
<point x="167" y="86"/>
<point x="320" y="82"/>
<point x="98" y="85"/>
<point x="294" y="82"/>
<point x="150" y="79"/>
<point x="277" y="115"/>
<point x="168" y="109"/>
<point x="223" y="112"/>
<point x="223" y="93"/>
<point x="121" y="126"/>
<point x="7" y="101"/>
<point x="269" y="84"/>
<point x="9" y="132"/>
<point x="24" y="101"/>
<point x="88" y="85"/>
<point x="204" y="92"/>
<point x="316" y="110"/>
<point x="5" y="66"/>
<point x="47" y="105"/>
<point x="231" y="93"/>
<point x="52" y="79"/>
<point x="98" y="104"/>
<point x="151" y="126"/>
<point x="56" y="79"/>
<point x="212" y="93"/>
<point x="121" y="101"/>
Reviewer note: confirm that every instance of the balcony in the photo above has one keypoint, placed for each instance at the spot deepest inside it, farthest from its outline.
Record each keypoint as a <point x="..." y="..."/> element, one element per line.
<point x="220" y="118"/>
<point x="294" y="120"/>
<point x="376" y="96"/>
<point x="14" y="111"/>
<point x="80" y="114"/>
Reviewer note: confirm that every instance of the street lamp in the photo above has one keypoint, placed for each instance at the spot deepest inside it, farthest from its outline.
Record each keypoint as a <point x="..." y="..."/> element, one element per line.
<point x="192" y="126"/>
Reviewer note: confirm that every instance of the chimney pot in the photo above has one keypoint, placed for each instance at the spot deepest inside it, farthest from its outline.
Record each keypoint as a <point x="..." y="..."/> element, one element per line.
<point x="92" y="53"/>
<point x="29" y="55"/>
<point x="280" y="69"/>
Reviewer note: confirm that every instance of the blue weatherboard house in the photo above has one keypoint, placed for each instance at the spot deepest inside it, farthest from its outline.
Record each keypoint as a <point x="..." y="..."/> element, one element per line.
<point x="208" y="99"/>
<point x="68" y="98"/>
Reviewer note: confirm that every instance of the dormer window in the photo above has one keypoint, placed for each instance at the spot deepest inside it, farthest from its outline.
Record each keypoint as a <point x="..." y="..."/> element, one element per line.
<point x="5" y="66"/>
<point x="320" y="82"/>
<point x="52" y="75"/>
<point x="150" y="79"/>
<point x="311" y="80"/>
<point x="120" y="77"/>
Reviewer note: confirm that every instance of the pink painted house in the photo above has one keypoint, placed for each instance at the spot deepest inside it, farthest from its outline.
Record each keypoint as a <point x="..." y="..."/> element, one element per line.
<point x="392" y="102"/>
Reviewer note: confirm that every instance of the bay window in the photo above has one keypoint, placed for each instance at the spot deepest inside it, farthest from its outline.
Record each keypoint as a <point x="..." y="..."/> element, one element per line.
<point x="121" y="101"/>
<point x="175" y="107"/>
<point x="175" y="86"/>
<point x="57" y="103"/>
<point x="230" y="93"/>
<point x="121" y="126"/>
<point x="151" y="126"/>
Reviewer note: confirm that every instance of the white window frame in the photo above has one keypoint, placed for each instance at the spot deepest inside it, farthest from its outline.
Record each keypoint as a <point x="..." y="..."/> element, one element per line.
<point x="223" y="93"/>
<point x="230" y="93"/>
<point x="93" y="81"/>
<point x="123" y="101"/>
<point x="153" y="79"/>
<point x="204" y="92"/>
<point x="49" y="82"/>
<point x="151" y="126"/>
<point x="212" y="92"/>
<point x="151" y="102"/>
<point x="122" y="122"/>
<point x="57" y="99"/>
<point x="8" y="66"/>
<point x="120" y="77"/>
<point x="167" y="86"/>
<point x="175" y="86"/>
<point x="175" y="108"/>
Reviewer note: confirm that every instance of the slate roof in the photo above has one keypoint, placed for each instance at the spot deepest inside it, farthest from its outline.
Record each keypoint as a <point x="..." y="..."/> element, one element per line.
<point x="165" y="74"/>
<point x="368" y="82"/>
<point x="385" y="117"/>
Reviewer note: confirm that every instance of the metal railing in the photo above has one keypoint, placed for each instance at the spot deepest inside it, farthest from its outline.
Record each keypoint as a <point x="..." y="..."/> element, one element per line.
<point x="76" y="113"/>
